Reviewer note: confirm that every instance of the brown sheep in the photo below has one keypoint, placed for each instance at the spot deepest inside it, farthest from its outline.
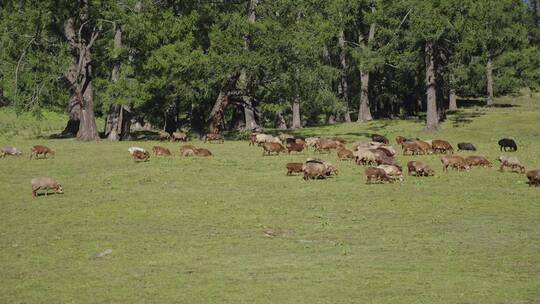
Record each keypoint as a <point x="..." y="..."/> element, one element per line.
<point x="344" y="153"/>
<point x="188" y="152"/>
<point x="408" y="146"/>
<point x="387" y="150"/>
<point x="423" y="147"/>
<point x="140" y="155"/>
<point x="382" y="159"/>
<point x="479" y="161"/>
<point x="454" y="161"/>
<point x="326" y="144"/>
<point x="376" y="174"/>
<point x="161" y="151"/>
<point x="400" y="140"/>
<point x="41" y="150"/>
<point x="186" y="147"/>
<point x="164" y="136"/>
<point x="179" y="136"/>
<point x="273" y="147"/>
<point x="339" y="139"/>
<point x="202" y="152"/>
<point x="534" y="177"/>
<point x="512" y="162"/>
<point x="419" y="168"/>
<point x="395" y="172"/>
<point x="45" y="183"/>
<point x="315" y="168"/>
<point x="294" y="168"/>
<point x="294" y="147"/>
<point x="213" y="137"/>
<point x="442" y="146"/>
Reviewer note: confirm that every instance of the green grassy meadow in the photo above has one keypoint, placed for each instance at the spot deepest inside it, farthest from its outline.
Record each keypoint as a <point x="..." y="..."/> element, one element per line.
<point x="191" y="230"/>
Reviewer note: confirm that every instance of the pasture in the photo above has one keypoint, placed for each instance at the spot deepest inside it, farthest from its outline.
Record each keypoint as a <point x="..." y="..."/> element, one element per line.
<point x="192" y="230"/>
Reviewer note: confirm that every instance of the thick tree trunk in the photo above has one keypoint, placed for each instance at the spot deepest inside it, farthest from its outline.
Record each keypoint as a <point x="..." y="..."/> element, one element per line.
<point x="249" y="114"/>
<point x="489" y="76"/>
<point x="452" y="100"/>
<point x="218" y="110"/>
<point x="364" y="113"/>
<point x="344" y="83"/>
<point x="80" y="78"/>
<point x="432" y="117"/>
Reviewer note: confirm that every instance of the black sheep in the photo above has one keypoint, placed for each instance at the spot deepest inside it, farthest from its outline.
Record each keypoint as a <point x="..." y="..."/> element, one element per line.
<point x="466" y="146"/>
<point x="507" y="144"/>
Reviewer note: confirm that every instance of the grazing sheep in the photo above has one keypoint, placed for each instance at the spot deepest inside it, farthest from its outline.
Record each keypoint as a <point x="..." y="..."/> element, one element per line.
<point x="379" y="138"/>
<point x="512" y="162"/>
<point x="327" y="144"/>
<point x="466" y="146"/>
<point x="188" y="152"/>
<point x="131" y="150"/>
<point x="164" y="136"/>
<point x="394" y="172"/>
<point x="273" y="147"/>
<point x="534" y="177"/>
<point x="316" y="168"/>
<point x="311" y="141"/>
<point x="339" y="139"/>
<point x="9" y="151"/>
<point x="41" y="150"/>
<point x="140" y="156"/>
<point x="419" y="168"/>
<point x="344" y="153"/>
<point x="294" y="147"/>
<point x="294" y="168"/>
<point x="365" y="157"/>
<point x="186" y="147"/>
<point x="507" y="144"/>
<point x="387" y="149"/>
<point x="479" y="161"/>
<point x="454" y="161"/>
<point x="210" y="137"/>
<point x="161" y="151"/>
<point x="409" y="146"/>
<point x="376" y="174"/>
<point x="45" y="183"/>
<point x="202" y="152"/>
<point x="423" y="147"/>
<point x="179" y="136"/>
<point x="383" y="159"/>
<point x="442" y="146"/>
<point x="266" y="138"/>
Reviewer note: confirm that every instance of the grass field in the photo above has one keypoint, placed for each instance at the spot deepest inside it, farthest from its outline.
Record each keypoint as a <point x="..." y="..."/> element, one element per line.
<point x="191" y="230"/>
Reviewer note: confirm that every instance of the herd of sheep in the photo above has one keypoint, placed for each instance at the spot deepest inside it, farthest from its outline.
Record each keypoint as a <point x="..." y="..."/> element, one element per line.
<point x="377" y="154"/>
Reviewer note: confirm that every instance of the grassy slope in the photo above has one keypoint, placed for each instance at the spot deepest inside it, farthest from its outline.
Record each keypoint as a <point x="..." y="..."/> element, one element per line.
<point x="190" y="230"/>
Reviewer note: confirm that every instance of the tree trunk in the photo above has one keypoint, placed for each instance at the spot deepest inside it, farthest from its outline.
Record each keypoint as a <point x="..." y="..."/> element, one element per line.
<point x="119" y="116"/>
<point x="249" y="113"/>
<point x="80" y="78"/>
<point x="296" y="119"/>
<point x="489" y="76"/>
<point x="74" y="114"/>
<point x="218" y="110"/>
<point x="281" y="123"/>
<point x="344" y="69"/>
<point x="452" y="103"/>
<point x="432" y="117"/>
<point x="364" y="113"/>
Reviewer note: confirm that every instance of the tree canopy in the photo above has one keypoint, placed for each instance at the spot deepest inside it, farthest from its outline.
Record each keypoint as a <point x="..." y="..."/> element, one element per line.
<point x="197" y="65"/>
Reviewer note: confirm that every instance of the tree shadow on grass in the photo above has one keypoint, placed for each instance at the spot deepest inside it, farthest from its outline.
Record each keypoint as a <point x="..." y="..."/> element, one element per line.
<point x="459" y="118"/>
<point x="471" y="103"/>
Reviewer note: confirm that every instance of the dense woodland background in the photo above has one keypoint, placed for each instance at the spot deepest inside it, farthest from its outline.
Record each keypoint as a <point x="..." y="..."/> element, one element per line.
<point x="214" y="65"/>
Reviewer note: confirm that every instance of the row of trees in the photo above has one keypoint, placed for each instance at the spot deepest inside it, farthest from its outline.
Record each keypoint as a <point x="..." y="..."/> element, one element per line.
<point x="217" y="64"/>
